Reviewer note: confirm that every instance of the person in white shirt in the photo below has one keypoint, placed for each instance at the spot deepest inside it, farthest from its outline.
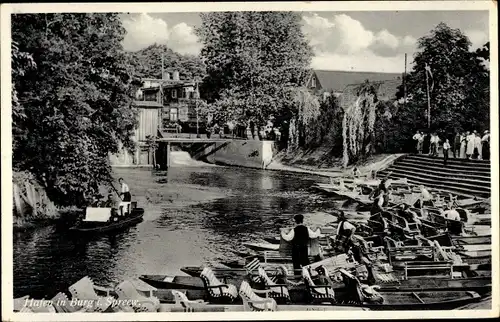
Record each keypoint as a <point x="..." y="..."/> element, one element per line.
<point x="419" y="137"/>
<point x="451" y="213"/>
<point x="299" y="236"/>
<point x="470" y="144"/>
<point x="425" y="199"/>
<point x="434" y="144"/>
<point x="446" y="149"/>
<point x="125" y="191"/>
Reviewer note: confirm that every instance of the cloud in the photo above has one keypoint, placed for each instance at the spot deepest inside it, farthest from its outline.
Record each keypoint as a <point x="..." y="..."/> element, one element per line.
<point x="144" y="30"/>
<point x="367" y="62"/>
<point x="477" y="37"/>
<point x="341" y="42"/>
<point x="183" y="40"/>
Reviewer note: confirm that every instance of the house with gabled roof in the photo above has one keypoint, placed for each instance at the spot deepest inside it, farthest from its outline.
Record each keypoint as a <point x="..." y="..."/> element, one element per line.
<point x="328" y="82"/>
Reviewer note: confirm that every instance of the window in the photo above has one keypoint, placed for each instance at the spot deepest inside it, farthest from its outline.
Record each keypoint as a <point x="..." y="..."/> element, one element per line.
<point x="150" y="97"/>
<point x="174" y="93"/>
<point x="313" y="82"/>
<point x="173" y="114"/>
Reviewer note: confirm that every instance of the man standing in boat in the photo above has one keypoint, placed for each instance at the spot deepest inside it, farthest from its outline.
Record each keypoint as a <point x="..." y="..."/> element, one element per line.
<point x="125" y="191"/>
<point x="299" y="236"/>
<point x="345" y="230"/>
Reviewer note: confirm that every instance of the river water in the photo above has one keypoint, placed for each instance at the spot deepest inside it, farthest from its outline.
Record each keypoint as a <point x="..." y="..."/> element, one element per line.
<point x="194" y="214"/>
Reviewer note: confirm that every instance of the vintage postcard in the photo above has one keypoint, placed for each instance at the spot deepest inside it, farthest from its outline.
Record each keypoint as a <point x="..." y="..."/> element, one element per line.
<point x="244" y="160"/>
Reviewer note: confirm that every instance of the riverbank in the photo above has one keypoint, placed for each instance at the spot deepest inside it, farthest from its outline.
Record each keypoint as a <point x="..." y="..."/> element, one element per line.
<point x="318" y="162"/>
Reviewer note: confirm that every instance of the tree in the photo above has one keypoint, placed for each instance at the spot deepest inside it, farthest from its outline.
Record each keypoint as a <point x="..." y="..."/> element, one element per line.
<point x="459" y="86"/>
<point x="77" y="101"/>
<point x="147" y="62"/>
<point x="251" y="59"/>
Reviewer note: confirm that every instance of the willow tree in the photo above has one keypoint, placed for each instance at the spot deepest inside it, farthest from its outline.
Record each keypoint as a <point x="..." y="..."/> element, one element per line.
<point x="360" y="111"/>
<point x="252" y="58"/>
<point x="304" y="129"/>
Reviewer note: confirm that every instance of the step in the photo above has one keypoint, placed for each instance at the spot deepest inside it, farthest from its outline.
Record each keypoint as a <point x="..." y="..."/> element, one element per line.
<point x="426" y="156"/>
<point x="450" y="170"/>
<point x="441" y="189"/>
<point x="442" y="174"/>
<point x="440" y="163"/>
<point x="468" y="192"/>
<point x="452" y="161"/>
<point x="486" y="186"/>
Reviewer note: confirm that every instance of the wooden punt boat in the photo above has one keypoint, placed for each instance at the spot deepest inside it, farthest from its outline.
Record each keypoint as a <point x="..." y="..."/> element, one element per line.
<point x="411" y="299"/>
<point x="453" y="240"/>
<point x="240" y="308"/>
<point x="99" y="220"/>
<point x="194" y="286"/>
<point x="261" y="246"/>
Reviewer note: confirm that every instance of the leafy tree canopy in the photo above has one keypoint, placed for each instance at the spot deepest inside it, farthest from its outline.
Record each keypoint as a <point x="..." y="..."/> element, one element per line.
<point x="75" y="99"/>
<point x="459" y="86"/>
<point x="147" y="62"/>
<point x="251" y="59"/>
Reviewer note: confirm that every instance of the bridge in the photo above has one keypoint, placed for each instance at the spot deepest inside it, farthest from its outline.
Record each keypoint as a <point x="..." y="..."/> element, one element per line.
<point x="165" y="146"/>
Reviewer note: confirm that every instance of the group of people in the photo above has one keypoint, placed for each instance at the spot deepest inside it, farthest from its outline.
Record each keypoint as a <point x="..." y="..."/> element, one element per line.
<point x="466" y="145"/>
<point x="113" y="200"/>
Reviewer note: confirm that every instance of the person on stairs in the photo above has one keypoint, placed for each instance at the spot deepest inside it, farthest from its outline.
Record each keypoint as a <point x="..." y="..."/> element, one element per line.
<point x="456" y="145"/>
<point x="470" y="144"/>
<point x="446" y="149"/>
<point x="478" y="149"/>
<point x="486" y="145"/>
<point x="299" y="236"/>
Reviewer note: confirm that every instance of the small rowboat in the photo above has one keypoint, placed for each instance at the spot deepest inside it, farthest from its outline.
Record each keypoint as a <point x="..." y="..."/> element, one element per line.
<point x="99" y="220"/>
<point x="261" y="246"/>
<point x="173" y="282"/>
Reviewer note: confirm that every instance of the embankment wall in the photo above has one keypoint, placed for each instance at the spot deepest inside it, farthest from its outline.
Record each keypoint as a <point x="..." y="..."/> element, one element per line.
<point x="242" y="153"/>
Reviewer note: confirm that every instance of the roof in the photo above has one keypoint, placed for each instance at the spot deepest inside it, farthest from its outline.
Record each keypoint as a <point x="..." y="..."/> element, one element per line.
<point x="336" y="81"/>
<point x="147" y="104"/>
<point x="386" y="90"/>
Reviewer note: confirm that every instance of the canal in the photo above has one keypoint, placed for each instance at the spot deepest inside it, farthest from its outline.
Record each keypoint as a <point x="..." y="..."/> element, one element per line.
<point x="194" y="214"/>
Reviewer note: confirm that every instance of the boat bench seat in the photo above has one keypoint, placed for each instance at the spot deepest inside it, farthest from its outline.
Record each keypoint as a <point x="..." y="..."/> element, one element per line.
<point x="97" y="214"/>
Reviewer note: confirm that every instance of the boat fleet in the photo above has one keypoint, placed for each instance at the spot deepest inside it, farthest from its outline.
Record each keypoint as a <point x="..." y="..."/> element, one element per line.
<point x="428" y="262"/>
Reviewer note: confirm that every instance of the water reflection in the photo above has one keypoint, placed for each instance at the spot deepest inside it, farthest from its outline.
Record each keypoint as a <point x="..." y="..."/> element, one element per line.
<point x="254" y="204"/>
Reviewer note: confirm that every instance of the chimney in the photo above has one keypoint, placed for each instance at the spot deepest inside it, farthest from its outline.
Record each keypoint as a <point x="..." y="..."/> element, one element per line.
<point x="176" y="76"/>
<point x="166" y="76"/>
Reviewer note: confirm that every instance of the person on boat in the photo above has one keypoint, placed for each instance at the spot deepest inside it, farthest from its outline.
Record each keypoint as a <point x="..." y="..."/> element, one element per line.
<point x="299" y="236"/>
<point x="356" y="173"/>
<point x="408" y="214"/>
<point x="323" y="277"/>
<point x="425" y="199"/>
<point x="382" y="187"/>
<point x="380" y="202"/>
<point x="451" y="213"/>
<point x="125" y="191"/>
<point x="486" y="145"/>
<point x="345" y="230"/>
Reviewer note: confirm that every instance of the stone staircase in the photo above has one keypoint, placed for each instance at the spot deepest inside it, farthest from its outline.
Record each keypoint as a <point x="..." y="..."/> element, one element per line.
<point x="460" y="176"/>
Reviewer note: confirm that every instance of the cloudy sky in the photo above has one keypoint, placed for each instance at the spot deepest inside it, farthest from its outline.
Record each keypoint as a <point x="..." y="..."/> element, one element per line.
<point x="361" y="41"/>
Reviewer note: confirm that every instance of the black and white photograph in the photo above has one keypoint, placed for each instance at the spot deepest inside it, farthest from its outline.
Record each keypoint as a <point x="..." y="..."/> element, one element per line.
<point x="185" y="158"/>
